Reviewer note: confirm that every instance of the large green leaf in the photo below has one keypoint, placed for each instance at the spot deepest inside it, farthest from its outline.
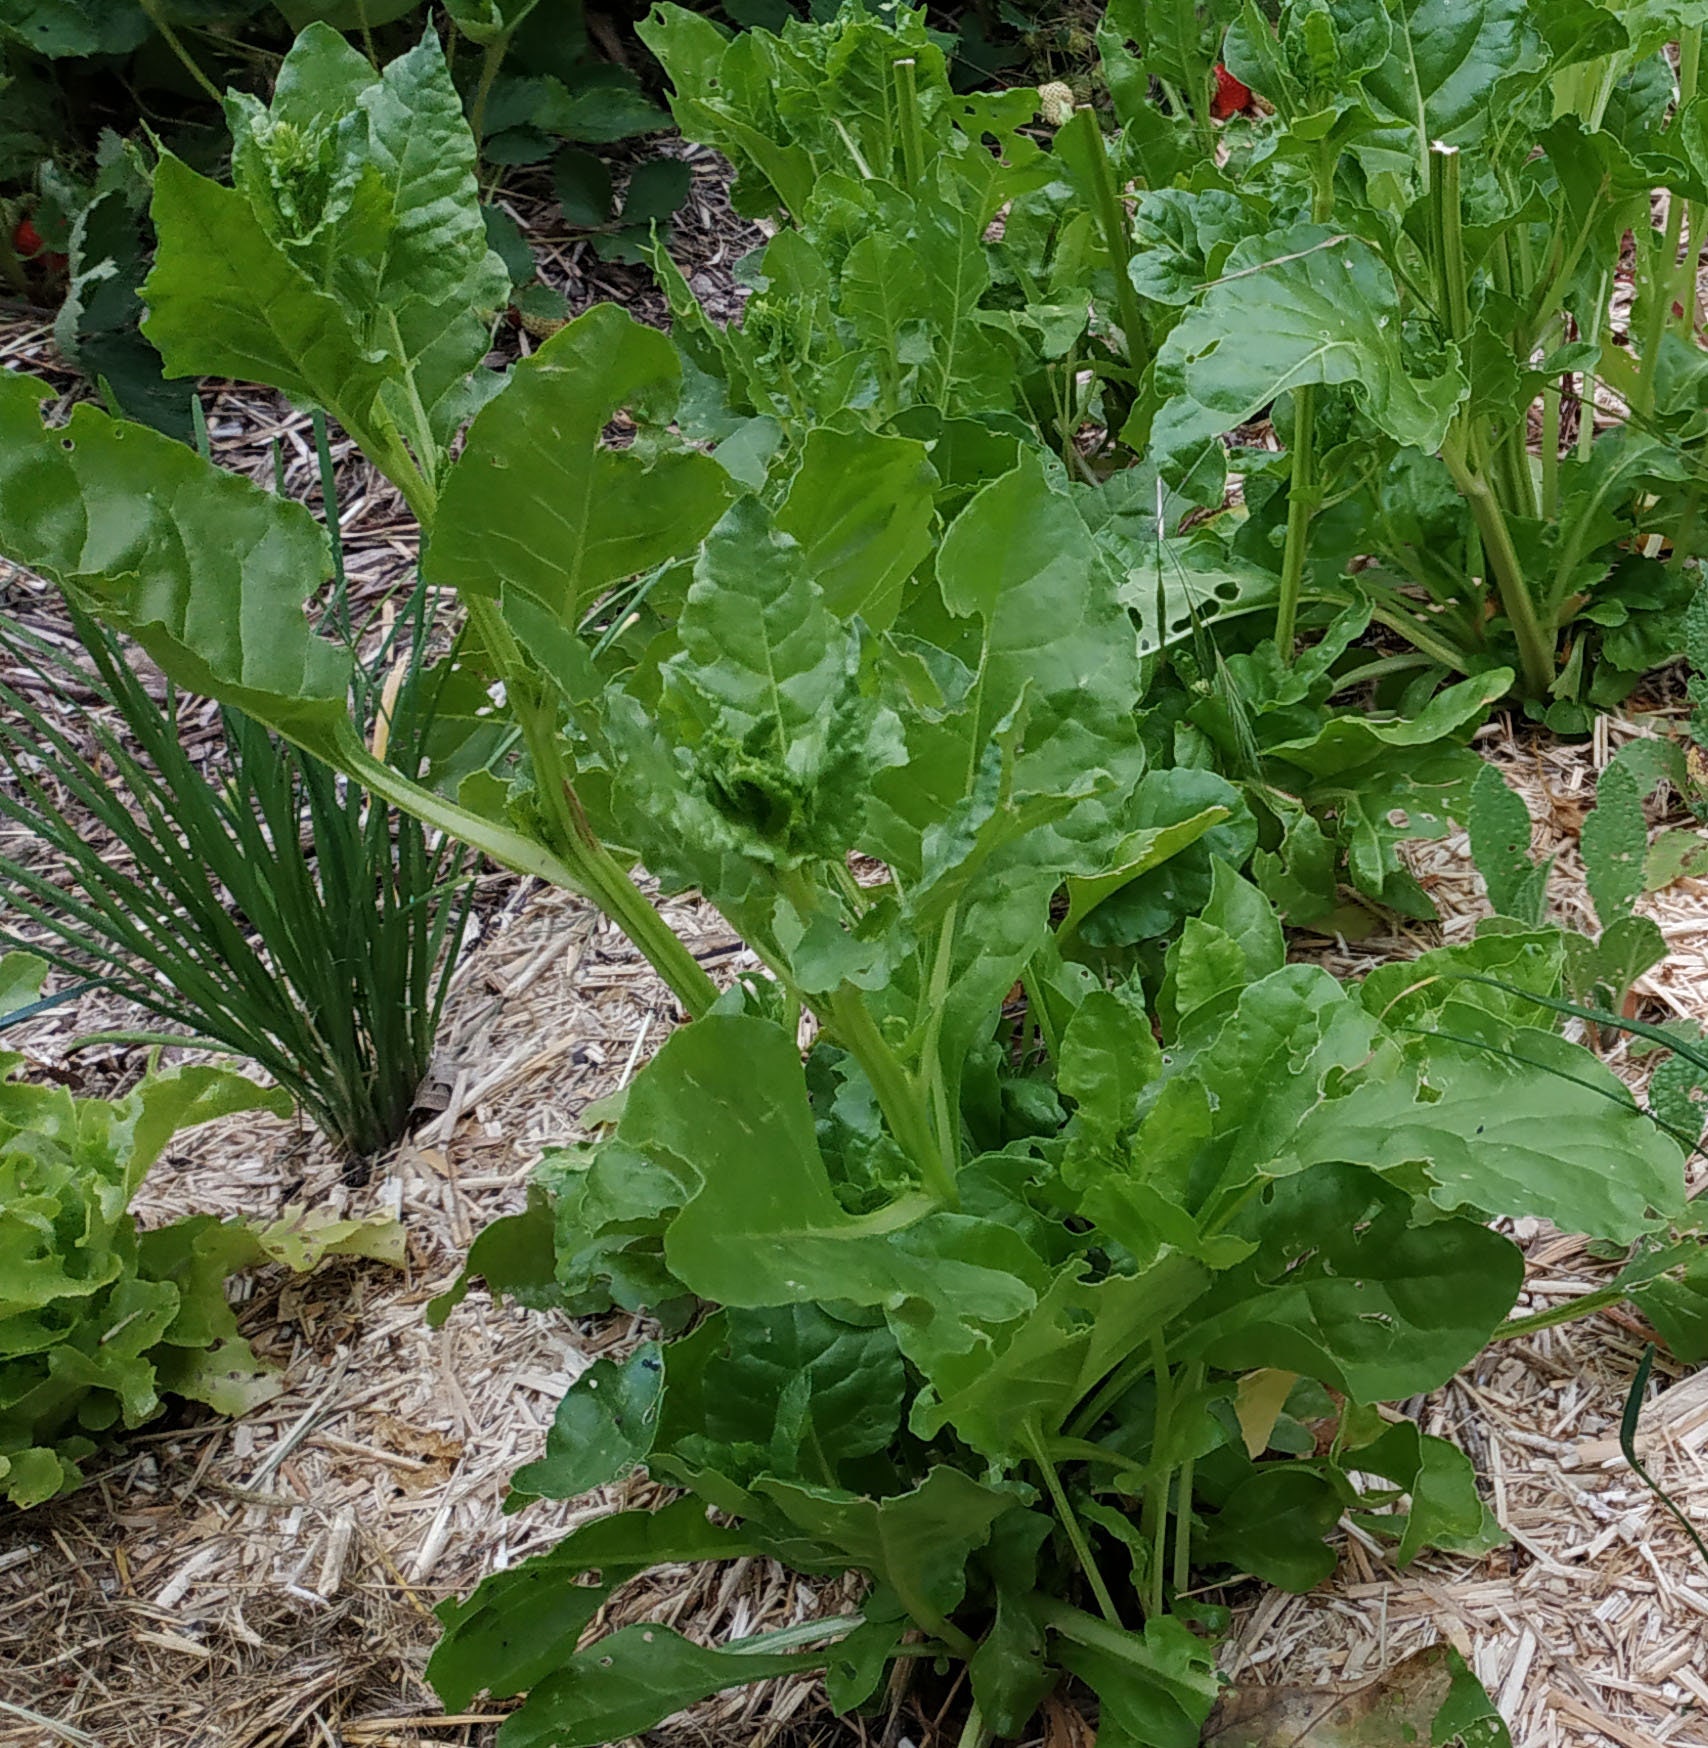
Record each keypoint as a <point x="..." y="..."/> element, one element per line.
<point x="632" y="1679"/>
<point x="1445" y="59"/>
<point x="537" y="504"/>
<point x="1342" y="1288"/>
<point x="523" y="1623"/>
<point x="1532" y="1125"/>
<point x="861" y="507"/>
<point x="224" y="300"/>
<point x="789" y="736"/>
<point x="1019" y="563"/>
<point x="727" y="1098"/>
<point x="917" y="1543"/>
<point x="1294" y="307"/>
<point x="204" y="568"/>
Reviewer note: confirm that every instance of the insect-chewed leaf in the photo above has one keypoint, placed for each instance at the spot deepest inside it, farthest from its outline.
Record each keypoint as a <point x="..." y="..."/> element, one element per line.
<point x="536" y="504"/>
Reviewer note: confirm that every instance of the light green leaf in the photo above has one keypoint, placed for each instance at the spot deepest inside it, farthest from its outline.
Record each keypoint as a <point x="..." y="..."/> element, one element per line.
<point x="1302" y="305"/>
<point x="1544" y="1130"/>
<point x="861" y="507"/>
<point x="536" y="504"/>
<point x="727" y="1098"/>
<point x="1109" y="1055"/>
<point x="224" y="300"/>
<point x="204" y="568"/>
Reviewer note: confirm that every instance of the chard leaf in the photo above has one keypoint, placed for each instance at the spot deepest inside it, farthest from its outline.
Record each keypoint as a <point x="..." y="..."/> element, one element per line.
<point x="788" y="738"/>
<point x="1297" y="306"/>
<point x="1444" y="62"/>
<point x="603" y="1426"/>
<point x="536" y="504"/>
<point x="1342" y="1288"/>
<point x="629" y="1680"/>
<point x="1445" y="1510"/>
<point x="731" y="1384"/>
<point x="916" y="1543"/>
<point x="1108" y="1056"/>
<point x="1032" y="1373"/>
<point x="1020" y="562"/>
<point x="525" y="1622"/>
<point x="1541" y="1128"/>
<point x="861" y="507"/>
<point x="1154" y="1689"/>
<point x="727" y="1098"/>
<point x="1275" y="1525"/>
<point x="207" y="571"/>
<point x="225" y="300"/>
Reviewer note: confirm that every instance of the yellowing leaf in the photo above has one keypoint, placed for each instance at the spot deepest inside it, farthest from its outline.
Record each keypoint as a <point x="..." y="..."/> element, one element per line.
<point x="1429" y="1698"/>
<point x="1257" y="1406"/>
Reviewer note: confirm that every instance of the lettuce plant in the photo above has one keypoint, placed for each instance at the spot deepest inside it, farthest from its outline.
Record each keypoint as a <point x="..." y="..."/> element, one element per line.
<point x="1034" y="1311"/>
<point x="100" y="1320"/>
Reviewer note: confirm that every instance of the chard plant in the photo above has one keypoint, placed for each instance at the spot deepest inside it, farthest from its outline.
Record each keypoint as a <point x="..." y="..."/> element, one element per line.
<point x="1412" y="258"/>
<point x="1042" y="1324"/>
<point x="1405" y="262"/>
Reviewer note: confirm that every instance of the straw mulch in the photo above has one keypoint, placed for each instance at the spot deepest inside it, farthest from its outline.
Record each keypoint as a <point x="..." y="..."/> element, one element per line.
<point x="267" y="1583"/>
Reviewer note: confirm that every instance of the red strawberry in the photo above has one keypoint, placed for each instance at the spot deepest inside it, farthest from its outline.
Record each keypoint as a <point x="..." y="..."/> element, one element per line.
<point x="27" y="241"/>
<point x="1231" y="96"/>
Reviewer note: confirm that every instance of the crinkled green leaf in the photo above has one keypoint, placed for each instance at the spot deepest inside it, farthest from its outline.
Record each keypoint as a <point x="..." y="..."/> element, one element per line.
<point x="204" y="568"/>
<point x="224" y="300"/>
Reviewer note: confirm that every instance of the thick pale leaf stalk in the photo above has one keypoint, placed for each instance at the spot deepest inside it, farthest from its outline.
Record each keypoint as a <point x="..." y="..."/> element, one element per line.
<point x="1300" y="510"/>
<point x="1301" y="488"/>
<point x="907" y="113"/>
<point x="596" y="872"/>
<point x="1535" y="647"/>
<point x="1112" y="221"/>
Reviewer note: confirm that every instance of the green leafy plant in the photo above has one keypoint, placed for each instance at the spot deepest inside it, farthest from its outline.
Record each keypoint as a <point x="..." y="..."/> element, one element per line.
<point x="267" y="910"/>
<point x="1614" y="844"/>
<point x="1436" y="276"/>
<point x="1035" y="1311"/>
<point x="100" y="1320"/>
